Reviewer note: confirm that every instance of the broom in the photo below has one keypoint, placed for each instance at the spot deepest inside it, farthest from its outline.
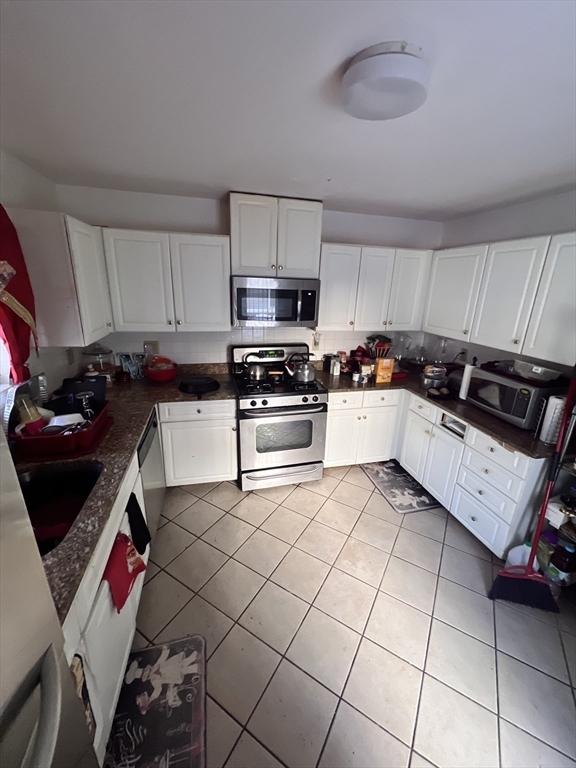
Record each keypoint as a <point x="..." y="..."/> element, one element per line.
<point x="521" y="583"/>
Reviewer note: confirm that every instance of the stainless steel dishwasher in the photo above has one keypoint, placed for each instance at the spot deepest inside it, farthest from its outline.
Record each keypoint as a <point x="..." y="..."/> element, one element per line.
<point x="151" y="462"/>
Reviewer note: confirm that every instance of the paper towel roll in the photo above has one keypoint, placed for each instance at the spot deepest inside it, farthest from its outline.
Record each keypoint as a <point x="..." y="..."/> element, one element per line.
<point x="466" y="376"/>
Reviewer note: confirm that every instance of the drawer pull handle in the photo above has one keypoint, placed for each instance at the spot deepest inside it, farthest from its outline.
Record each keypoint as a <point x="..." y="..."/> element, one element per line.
<point x="486" y="470"/>
<point x="233" y="429"/>
<point x="427" y="432"/>
<point x="358" y="417"/>
<point x="474" y="519"/>
<point x="480" y="493"/>
<point x="198" y="410"/>
<point x="420" y="407"/>
<point x="382" y="398"/>
<point x="344" y="401"/>
<point x="351" y="322"/>
<point x="491" y="449"/>
<point x="364" y="417"/>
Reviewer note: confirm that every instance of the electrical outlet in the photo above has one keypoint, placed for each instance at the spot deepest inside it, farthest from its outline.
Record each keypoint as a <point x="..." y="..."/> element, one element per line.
<point x="151" y="347"/>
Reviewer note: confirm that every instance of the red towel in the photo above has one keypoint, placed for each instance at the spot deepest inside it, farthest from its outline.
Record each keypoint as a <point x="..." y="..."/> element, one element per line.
<point x="122" y="568"/>
<point x="17" y="311"/>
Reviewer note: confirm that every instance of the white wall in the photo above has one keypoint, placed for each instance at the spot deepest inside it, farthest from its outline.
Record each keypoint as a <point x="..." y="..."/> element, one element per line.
<point x="23" y="187"/>
<point x="540" y="216"/>
<point x="118" y="208"/>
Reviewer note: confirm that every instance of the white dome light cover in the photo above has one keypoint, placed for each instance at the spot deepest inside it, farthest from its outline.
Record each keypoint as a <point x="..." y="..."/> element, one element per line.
<point x="385" y="81"/>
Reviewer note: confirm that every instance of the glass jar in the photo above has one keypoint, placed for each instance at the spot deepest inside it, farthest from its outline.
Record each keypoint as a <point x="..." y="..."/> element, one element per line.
<point x="98" y="360"/>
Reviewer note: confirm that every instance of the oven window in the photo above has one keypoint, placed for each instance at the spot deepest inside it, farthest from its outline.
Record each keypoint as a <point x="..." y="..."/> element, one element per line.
<point x="497" y="396"/>
<point x="267" y="304"/>
<point x="285" y="436"/>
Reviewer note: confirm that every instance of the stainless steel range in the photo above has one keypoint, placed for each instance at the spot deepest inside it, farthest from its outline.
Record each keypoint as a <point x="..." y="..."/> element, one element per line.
<point x="282" y="415"/>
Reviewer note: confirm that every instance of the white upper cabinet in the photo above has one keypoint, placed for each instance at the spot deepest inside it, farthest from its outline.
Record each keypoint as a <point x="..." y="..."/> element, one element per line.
<point x="339" y="267"/>
<point x="253" y="234"/>
<point x="299" y="233"/>
<point x="551" y="333"/>
<point x="140" y="280"/>
<point x="201" y="279"/>
<point x="454" y="285"/>
<point x="507" y="292"/>
<point x="274" y="237"/>
<point x="91" y="280"/>
<point x="409" y="284"/>
<point x="374" y="287"/>
<point x="65" y="262"/>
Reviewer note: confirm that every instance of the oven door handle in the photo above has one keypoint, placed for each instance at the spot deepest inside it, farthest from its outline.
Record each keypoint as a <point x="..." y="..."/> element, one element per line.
<point x="289" y="411"/>
<point x="300" y="472"/>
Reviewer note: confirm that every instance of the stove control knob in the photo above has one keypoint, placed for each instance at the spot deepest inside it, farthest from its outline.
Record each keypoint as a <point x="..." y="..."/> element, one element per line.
<point x="304" y="399"/>
<point x="264" y="402"/>
<point x="253" y="403"/>
<point x="315" y="399"/>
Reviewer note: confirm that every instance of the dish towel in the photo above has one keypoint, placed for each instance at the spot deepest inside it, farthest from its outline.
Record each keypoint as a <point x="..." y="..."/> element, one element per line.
<point x="122" y="568"/>
<point x="138" y="528"/>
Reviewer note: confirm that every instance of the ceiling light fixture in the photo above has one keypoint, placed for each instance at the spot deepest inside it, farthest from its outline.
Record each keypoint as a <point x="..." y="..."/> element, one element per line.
<point x="385" y="81"/>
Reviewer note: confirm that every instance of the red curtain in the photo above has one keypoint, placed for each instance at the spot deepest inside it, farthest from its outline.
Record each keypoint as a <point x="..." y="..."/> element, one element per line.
<point x="17" y="311"/>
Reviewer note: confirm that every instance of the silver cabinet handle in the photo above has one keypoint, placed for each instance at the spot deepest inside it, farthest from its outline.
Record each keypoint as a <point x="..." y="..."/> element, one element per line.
<point x="273" y="266"/>
<point x="390" y="322"/>
<point x="364" y="417"/>
<point x="515" y="341"/>
<point x="420" y="407"/>
<point x="480" y="493"/>
<point x="169" y="322"/>
<point x="358" y="417"/>
<point x="474" y="519"/>
<point x="491" y="449"/>
<point x="382" y="398"/>
<point x="344" y="401"/>
<point x="198" y="410"/>
<point x="280" y="266"/>
<point x="108" y="325"/>
<point x="178" y="322"/>
<point x="233" y="429"/>
<point x="486" y="470"/>
<point x="350" y="322"/>
<point x="384" y="323"/>
<point x="427" y="432"/>
<point x="465" y="332"/>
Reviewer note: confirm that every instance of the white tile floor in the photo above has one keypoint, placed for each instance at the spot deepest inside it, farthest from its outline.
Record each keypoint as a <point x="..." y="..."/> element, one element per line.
<point x="340" y="633"/>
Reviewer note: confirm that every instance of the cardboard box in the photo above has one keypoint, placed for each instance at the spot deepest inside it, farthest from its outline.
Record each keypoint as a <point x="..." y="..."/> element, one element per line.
<point x="384" y="370"/>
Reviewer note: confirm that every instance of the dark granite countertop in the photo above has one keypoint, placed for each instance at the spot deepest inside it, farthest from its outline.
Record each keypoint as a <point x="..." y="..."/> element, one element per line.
<point x="506" y="434"/>
<point x="130" y="407"/>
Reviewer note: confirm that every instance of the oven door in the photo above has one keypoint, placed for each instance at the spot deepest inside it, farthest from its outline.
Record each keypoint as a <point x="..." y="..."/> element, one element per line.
<point x="280" y="437"/>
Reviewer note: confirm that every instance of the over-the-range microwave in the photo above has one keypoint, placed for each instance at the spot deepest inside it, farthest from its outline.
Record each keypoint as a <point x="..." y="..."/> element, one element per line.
<point x="261" y="302"/>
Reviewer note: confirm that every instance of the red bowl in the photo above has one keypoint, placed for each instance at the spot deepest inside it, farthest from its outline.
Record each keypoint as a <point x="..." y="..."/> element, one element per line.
<point x="160" y="375"/>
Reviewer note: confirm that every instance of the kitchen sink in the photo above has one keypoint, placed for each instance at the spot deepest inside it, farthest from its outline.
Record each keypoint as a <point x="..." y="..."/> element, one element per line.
<point x="54" y="495"/>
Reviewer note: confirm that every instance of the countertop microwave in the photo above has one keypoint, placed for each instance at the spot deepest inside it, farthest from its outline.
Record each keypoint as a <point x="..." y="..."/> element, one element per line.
<point x="511" y="398"/>
<point x="264" y="302"/>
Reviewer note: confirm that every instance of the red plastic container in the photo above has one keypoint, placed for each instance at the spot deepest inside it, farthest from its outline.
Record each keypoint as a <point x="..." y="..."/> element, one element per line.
<point x="50" y="447"/>
<point x="160" y="375"/>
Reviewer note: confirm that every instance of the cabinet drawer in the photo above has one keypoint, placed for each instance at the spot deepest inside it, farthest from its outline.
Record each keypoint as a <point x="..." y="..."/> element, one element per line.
<point x="493" y="474"/>
<point x="344" y="400"/>
<point x="199" y="410"/>
<point x="490" y="497"/>
<point x="423" y="408"/>
<point x="376" y="398"/>
<point x="514" y="462"/>
<point x="480" y="521"/>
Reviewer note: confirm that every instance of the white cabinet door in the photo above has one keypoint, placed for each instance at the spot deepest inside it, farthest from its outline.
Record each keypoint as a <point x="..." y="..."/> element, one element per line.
<point x="507" y="292"/>
<point x="374" y="286"/>
<point x="442" y="464"/>
<point x="91" y="279"/>
<point x="377" y="435"/>
<point x="409" y="284"/>
<point x="339" y="266"/>
<point x="299" y="234"/>
<point x="415" y="446"/>
<point x="201" y="279"/>
<point x="140" y="280"/>
<point x="551" y="331"/>
<point x="253" y="234"/>
<point x="342" y="436"/>
<point x="454" y="285"/>
<point x="199" y="451"/>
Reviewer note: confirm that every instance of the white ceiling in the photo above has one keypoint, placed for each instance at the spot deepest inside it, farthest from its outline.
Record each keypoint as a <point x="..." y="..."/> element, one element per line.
<point x="197" y="98"/>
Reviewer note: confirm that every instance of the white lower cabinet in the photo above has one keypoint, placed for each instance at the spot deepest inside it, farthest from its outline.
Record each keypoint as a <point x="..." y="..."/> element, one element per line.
<point x="199" y="451"/>
<point x="417" y="433"/>
<point x="442" y="464"/>
<point x="484" y="524"/>
<point x="361" y="435"/>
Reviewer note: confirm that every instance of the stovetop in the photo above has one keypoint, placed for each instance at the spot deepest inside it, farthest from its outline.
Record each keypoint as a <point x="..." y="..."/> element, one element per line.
<point x="277" y="388"/>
